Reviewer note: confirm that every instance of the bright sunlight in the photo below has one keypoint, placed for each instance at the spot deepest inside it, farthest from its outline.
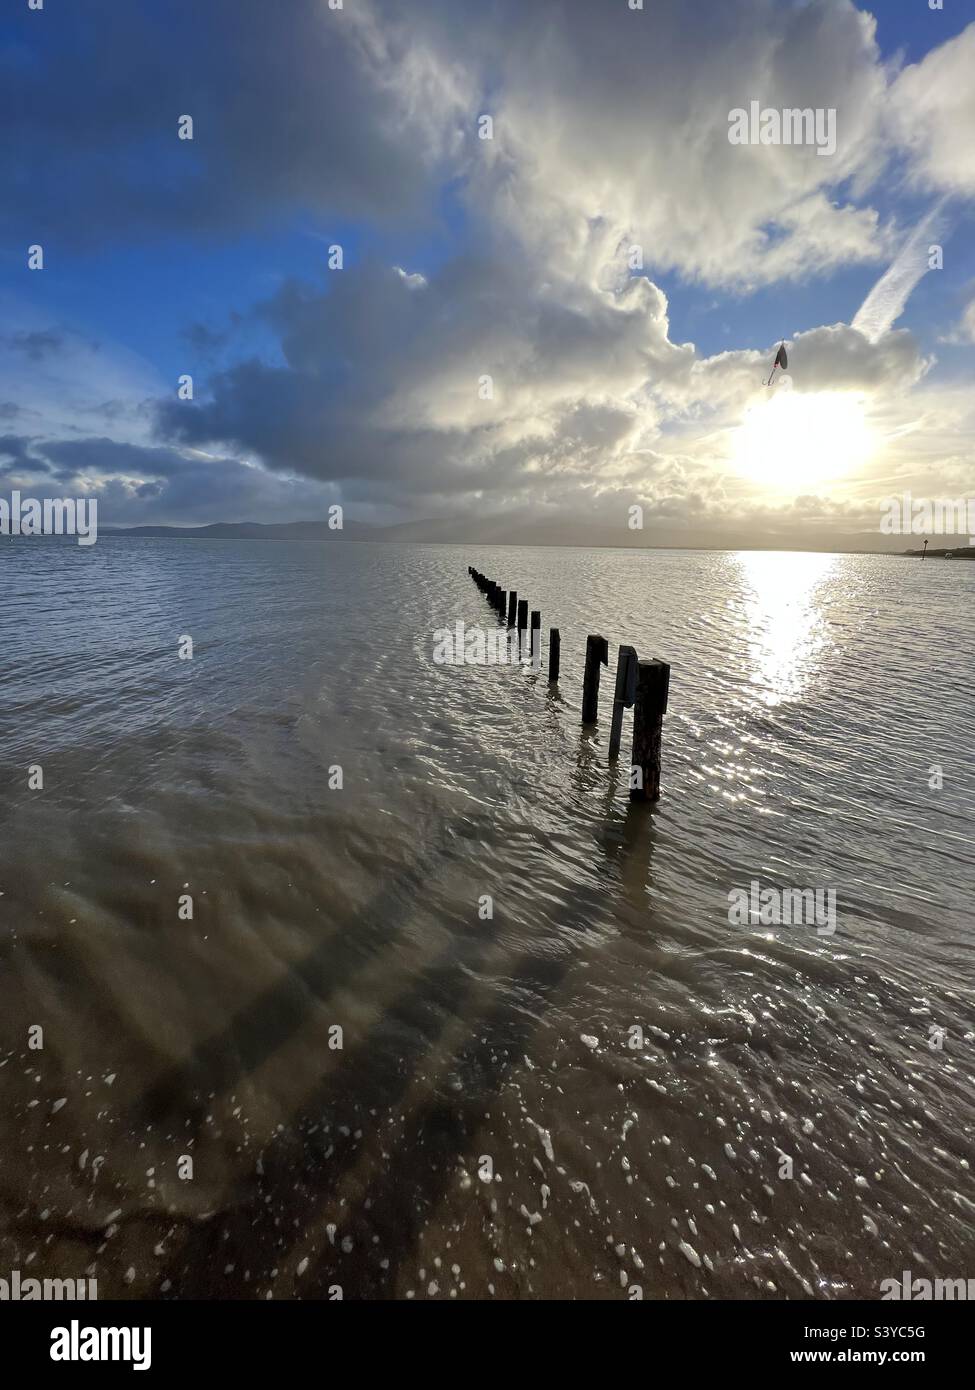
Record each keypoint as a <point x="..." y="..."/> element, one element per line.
<point x="794" y="441"/>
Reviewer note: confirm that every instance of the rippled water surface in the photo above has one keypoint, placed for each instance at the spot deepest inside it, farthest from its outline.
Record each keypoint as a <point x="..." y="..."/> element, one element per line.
<point x="813" y="700"/>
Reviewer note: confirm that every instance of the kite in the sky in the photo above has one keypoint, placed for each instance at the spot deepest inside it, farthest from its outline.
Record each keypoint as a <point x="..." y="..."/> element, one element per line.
<point x="781" y="360"/>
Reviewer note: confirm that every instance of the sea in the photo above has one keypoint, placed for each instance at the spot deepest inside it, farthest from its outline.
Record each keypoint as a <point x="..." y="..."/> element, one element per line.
<point x="330" y="968"/>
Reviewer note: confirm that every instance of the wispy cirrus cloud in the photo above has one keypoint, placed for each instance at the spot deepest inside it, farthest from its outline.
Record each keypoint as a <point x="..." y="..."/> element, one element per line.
<point x="887" y="300"/>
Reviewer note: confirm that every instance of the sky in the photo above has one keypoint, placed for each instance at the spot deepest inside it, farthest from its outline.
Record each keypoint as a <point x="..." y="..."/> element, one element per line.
<point x="531" y="334"/>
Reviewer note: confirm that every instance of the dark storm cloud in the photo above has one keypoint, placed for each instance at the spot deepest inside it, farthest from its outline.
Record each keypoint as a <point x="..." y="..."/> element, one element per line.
<point x="381" y="376"/>
<point x="286" y="117"/>
<point x="16" y="449"/>
<point x="135" y="483"/>
<point x="204" y="340"/>
<point x="106" y="456"/>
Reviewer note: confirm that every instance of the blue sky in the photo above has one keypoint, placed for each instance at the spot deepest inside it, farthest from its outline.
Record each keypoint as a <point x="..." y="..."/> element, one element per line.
<point x="359" y="127"/>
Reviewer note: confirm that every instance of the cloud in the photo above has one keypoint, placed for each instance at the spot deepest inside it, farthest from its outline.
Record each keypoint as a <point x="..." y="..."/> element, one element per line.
<point x="135" y="484"/>
<point x="65" y="380"/>
<point x="932" y="112"/>
<point x="887" y="300"/>
<point x="963" y="333"/>
<point x="383" y="386"/>
<point x="380" y="391"/>
<point x="37" y="345"/>
<point x="290" y="113"/>
<point x="15" y="450"/>
<point x="611" y="125"/>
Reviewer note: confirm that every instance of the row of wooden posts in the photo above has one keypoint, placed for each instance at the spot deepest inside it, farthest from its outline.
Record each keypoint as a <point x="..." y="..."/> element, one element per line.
<point x="642" y="685"/>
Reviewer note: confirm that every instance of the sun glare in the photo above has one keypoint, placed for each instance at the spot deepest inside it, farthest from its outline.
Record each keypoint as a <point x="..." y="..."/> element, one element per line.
<point x="793" y="441"/>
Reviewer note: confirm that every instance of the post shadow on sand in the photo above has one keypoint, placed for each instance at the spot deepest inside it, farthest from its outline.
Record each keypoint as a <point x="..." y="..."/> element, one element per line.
<point x="261" y="1213"/>
<point x="297" y="1181"/>
<point x="439" y="1136"/>
<point x="375" y="1076"/>
<point x="266" y="1023"/>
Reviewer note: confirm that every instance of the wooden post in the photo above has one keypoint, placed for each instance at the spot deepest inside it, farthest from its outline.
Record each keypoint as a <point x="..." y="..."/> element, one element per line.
<point x="554" y="652"/>
<point x="501" y="604"/>
<point x="653" y="687"/>
<point x="512" y="606"/>
<point x="522" y="617"/>
<point x="597" y="653"/>
<point x="536" y="639"/>
<point x="626" y="674"/>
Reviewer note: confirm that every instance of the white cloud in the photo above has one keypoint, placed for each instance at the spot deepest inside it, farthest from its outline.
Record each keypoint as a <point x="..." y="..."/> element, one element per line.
<point x="887" y="300"/>
<point x="932" y="107"/>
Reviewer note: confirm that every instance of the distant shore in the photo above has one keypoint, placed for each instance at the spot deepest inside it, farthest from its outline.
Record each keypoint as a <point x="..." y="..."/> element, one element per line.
<point x="438" y="532"/>
<point x="961" y="552"/>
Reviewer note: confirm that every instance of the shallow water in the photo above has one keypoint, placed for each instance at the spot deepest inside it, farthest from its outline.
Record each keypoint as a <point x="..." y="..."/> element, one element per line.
<point x="811" y="695"/>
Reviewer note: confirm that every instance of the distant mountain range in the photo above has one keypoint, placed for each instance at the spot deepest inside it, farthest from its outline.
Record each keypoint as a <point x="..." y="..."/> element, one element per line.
<point x="251" y="531"/>
<point x="508" y="530"/>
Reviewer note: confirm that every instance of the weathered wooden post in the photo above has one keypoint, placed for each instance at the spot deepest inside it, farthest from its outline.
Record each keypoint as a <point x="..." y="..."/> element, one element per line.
<point x="597" y="653"/>
<point x="626" y="676"/>
<point x="536" y="639"/>
<point x="554" y="652"/>
<point x="653" y="687"/>
<point x="512" y="606"/>
<point x="501" y="604"/>
<point x="522" y="618"/>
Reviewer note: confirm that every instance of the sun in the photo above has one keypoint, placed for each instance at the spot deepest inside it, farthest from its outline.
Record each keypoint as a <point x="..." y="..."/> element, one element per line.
<point x="792" y="440"/>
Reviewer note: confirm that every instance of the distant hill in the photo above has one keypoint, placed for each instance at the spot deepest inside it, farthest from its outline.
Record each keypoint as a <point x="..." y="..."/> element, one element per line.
<point x="513" y="529"/>
<point x="249" y="531"/>
<point x="958" y="552"/>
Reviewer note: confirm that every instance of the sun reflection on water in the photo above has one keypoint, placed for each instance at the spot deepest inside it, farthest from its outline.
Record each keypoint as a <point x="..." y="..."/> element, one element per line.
<point x="783" y="602"/>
